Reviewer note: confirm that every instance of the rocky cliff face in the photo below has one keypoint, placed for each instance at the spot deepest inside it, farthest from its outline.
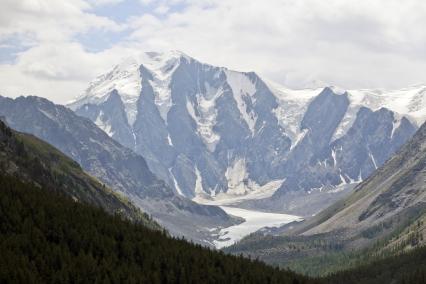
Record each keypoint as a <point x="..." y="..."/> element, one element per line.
<point x="383" y="216"/>
<point x="400" y="184"/>
<point x="214" y="134"/>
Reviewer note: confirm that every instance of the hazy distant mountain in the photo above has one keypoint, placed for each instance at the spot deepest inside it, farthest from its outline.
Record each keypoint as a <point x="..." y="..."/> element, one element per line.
<point x="113" y="164"/>
<point x="214" y="134"/>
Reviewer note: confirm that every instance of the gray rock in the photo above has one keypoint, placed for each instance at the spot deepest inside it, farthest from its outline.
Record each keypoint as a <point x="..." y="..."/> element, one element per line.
<point x="113" y="164"/>
<point x="216" y="117"/>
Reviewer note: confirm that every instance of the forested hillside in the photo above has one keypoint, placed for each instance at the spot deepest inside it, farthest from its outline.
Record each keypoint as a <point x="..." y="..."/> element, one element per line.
<point x="408" y="268"/>
<point x="33" y="160"/>
<point x="46" y="237"/>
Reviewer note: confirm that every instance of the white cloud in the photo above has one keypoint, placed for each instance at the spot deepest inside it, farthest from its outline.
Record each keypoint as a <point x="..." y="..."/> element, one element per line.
<point x="162" y="9"/>
<point x="53" y="65"/>
<point x="352" y="43"/>
<point x="146" y="2"/>
<point x="105" y="2"/>
<point x="349" y="43"/>
<point x="58" y="71"/>
<point x="43" y="20"/>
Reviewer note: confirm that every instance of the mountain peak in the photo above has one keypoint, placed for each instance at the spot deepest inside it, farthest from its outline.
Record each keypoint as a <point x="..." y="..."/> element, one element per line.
<point x="336" y="90"/>
<point x="126" y="77"/>
<point x="157" y="62"/>
<point x="167" y="54"/>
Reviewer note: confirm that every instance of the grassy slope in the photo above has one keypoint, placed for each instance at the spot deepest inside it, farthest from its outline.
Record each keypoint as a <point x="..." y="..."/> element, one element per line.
<point x="33" y="160"/>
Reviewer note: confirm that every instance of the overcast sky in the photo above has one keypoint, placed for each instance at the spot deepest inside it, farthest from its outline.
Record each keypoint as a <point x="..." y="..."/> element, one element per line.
<point x="54" y="48"/>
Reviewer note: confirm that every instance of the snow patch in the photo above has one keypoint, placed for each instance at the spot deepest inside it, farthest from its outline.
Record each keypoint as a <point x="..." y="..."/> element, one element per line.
<point x="299" y="137"/>
<point x="337" y="90"/>
<point x="342" y="179"/>
<point x="372" y="159"/>
<point x="236" y="176"/>
<point x="162" y="66"/>
<point x="243" y="89"/>
<point x="333" y="154"/>
<point x="179" y="191"/>
<point x="48" y="115"/>
<point x="198" y="189"/>
<point x="204" y="114"/>
<point x="134" y="137"/>
<point x="103" y="124"/>
<point x="169" y="140"/>
<point x="395" y="125"/>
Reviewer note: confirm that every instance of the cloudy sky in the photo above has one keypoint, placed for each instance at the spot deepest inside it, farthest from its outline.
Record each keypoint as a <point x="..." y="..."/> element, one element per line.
<point x="54" y="48"/>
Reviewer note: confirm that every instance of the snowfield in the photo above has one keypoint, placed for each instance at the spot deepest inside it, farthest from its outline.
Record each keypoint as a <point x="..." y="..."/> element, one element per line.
<point x="254" y="221"/>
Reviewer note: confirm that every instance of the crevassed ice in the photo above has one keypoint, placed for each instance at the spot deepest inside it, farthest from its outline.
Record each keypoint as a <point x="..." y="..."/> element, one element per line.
<point x="104" y="125"/>
<point x="292" y="105"/>
<point x="408" y="102"/>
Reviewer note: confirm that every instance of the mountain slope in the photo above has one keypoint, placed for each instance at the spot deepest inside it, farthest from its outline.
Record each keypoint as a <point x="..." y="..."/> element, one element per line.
<point x="406" y="268"/>
<point x="46" y="237"/>
<point x="397" y="185"/>
<point x="383" y="216"/>
<point x="221" y="136"/>
<point x="116" y="166"/>
<point x="34" y="161"/>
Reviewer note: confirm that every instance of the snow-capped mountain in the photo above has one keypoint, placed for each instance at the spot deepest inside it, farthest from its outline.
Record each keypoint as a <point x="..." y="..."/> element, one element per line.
<point x="217" y="135"/>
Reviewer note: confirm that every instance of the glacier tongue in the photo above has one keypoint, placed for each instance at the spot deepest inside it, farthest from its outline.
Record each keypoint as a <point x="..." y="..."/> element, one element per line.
<point x="253" y="221"/>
